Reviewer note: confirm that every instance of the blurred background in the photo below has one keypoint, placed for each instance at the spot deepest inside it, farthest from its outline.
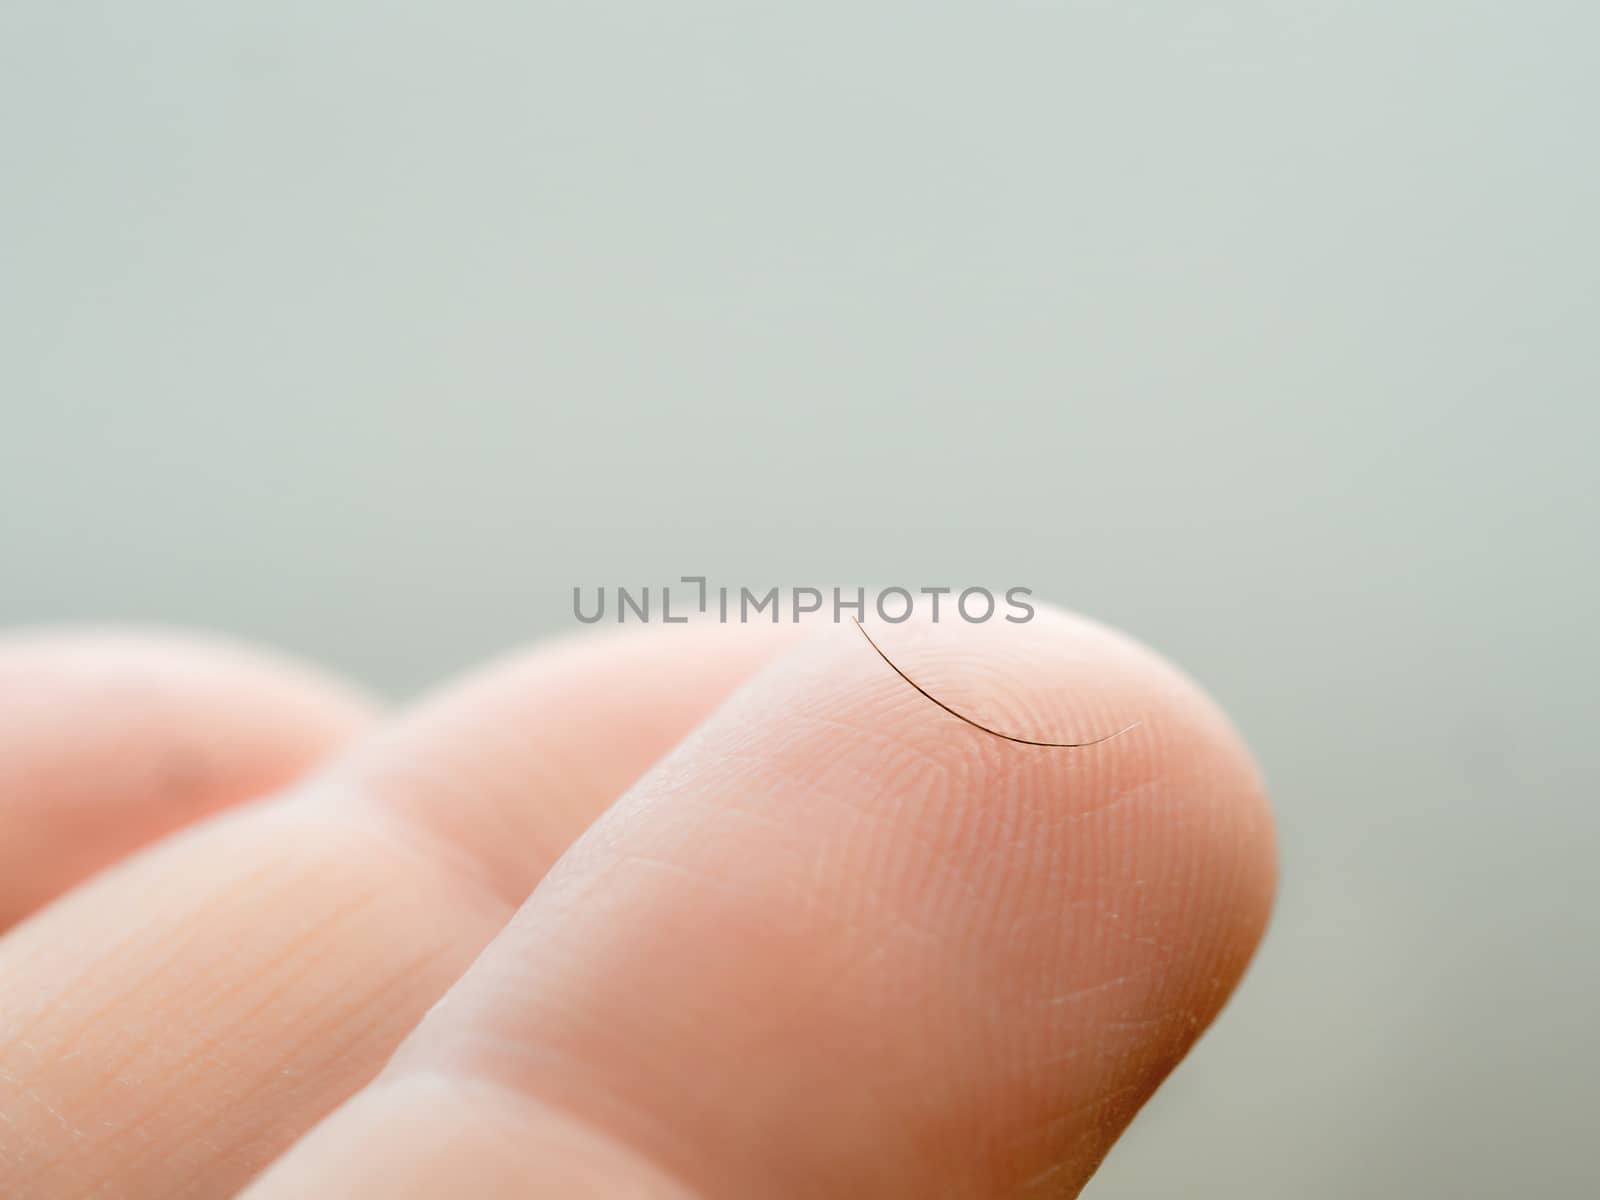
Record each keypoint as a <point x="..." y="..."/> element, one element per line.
<point x="1267" y="332"/>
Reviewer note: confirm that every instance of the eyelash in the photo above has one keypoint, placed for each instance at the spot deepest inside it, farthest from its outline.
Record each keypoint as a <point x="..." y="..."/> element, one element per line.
<point x="1021" y="741"/>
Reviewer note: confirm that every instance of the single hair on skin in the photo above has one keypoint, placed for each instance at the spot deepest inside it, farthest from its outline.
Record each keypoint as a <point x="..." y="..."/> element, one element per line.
<point x="1021" y="741"/>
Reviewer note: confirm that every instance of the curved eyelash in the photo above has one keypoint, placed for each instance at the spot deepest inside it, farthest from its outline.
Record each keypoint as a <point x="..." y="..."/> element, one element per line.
<point x="979" y="724"/>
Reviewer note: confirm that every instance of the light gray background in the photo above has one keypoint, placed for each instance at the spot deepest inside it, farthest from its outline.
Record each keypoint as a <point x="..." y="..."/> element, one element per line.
<point x="1266" y="331"/>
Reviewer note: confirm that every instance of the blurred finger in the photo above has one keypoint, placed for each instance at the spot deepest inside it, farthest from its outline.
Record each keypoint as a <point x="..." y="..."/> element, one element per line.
<point x="168" y="1028"/>
<point x="108" y="740"/>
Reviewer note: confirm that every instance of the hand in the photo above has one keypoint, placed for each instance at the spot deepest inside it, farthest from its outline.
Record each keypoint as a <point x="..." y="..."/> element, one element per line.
<point x="836" y="943"/>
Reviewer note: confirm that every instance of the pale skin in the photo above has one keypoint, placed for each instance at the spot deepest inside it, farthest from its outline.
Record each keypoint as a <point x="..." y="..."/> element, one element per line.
<point x="689" y="911"/>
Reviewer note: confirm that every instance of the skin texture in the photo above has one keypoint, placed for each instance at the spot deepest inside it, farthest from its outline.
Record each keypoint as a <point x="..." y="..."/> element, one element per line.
<point x="836" y="943"/>
<point x="839" y="944"/>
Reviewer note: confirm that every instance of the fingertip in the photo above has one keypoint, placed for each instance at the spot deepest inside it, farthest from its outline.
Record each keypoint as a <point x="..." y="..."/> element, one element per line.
<point x="843" y="942"/>
<point x="943" y="955"/>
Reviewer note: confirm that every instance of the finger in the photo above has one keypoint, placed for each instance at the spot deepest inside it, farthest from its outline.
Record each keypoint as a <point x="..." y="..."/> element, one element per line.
<point x="842" y="944"/>
<point x="109" y="740"/>
<point x="502" y="771"/>
<point x="168" y="1028"/>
